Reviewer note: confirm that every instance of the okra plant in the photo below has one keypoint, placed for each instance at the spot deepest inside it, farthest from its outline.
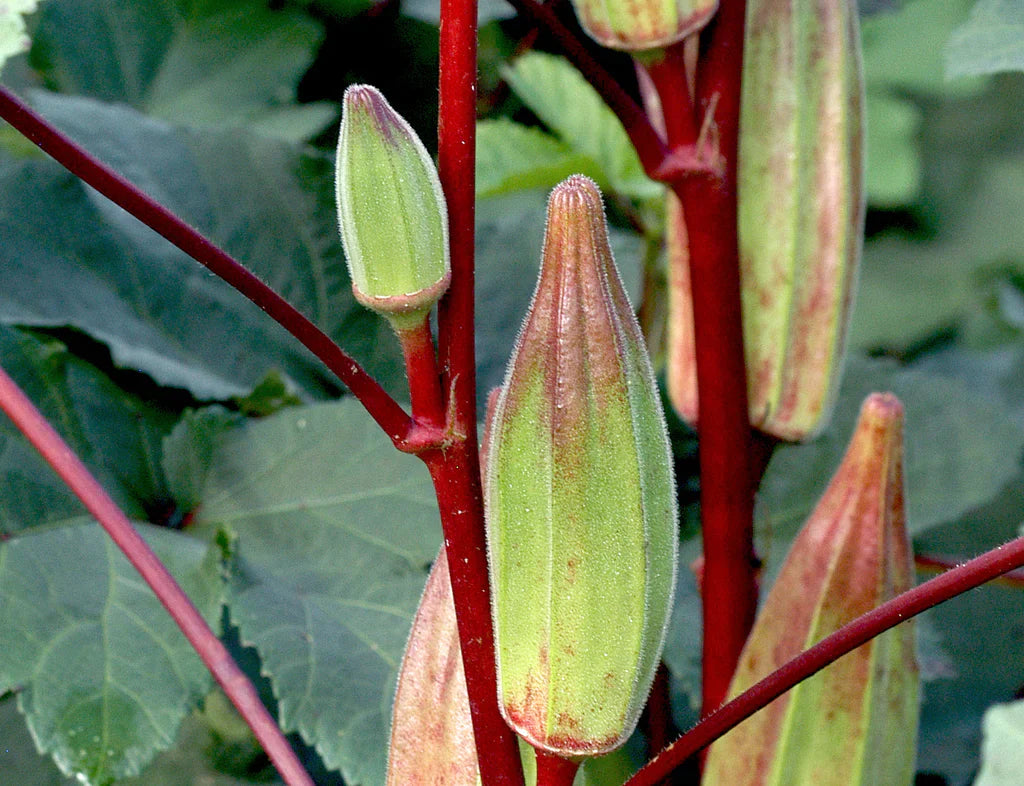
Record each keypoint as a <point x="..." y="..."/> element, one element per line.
<point x="762" y="413"/>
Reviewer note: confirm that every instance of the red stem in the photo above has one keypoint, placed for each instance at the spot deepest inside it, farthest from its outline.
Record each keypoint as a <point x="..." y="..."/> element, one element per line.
<point x="421" y="372"/>
<point x="236" y="685"/>
<point x="456" y="470"/>
<point x="553" y="770"/>
<point x="953" y="582"/>
<point x="460" y="500"/>
<point x="668" y="73"/>
<point x="928" y="563"/>
<point x="726" y="474"/>
<point x="388" y="414"/>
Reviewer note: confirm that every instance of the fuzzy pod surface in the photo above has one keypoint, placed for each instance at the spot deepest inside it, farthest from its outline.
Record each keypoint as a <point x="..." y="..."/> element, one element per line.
<point x="580" y="499"/>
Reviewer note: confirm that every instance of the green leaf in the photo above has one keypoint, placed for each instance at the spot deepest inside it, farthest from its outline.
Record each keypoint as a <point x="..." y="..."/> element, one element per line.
<point x="513" y="157"/>
<point x="115" y="433"/>
<point x="1002" y="753"/>
<point x="991" y="40"/>
<point x="220" y="63"/>
<point x="104" y="676"/>
<point x="547" y="85"/>
<point x="269" y="203"/>
<point x="959" y="451"/>
<point x="331" y="566"/>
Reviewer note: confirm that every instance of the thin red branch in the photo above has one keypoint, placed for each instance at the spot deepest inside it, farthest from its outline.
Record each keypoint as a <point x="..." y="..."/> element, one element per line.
<point x="384" y="410"/>
<point x="421" y="372"/>
<point x="236" y="685"/>
<point x="953" y="582"/>
<point x="553" y="770"/>
<point x="456" y="470"/>
<point x="930" y="563"/>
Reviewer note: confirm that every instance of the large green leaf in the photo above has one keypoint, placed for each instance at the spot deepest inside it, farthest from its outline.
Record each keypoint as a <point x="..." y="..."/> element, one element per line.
<point x="547" y="85"/>
<point x="81" y="262"/>
<point x="335" y="531"/>
<point x="960" y="449"/>
<point x="219" y="63"/>
<point x="991" y="40"/>
<point x="104" y="676"/>
<point x="116" y="434"/>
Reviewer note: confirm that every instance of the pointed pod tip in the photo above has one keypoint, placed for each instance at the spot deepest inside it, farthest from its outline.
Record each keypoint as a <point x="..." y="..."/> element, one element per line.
<point x="882" y="406"/>
<point x="880" y="421"/>
<point x="577" y="190"/>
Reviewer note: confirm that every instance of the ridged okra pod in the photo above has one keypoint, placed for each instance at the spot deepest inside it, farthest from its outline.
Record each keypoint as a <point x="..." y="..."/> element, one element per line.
<point x="580" y="500"/>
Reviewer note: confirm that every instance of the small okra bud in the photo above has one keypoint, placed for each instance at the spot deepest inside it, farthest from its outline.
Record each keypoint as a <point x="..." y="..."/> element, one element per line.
<point x="644" y="25"/>
<point x="801" y="215"/>
<point x="394" y="222"/>
<point x="580" y="500"/>
<point x="855" y="722"/>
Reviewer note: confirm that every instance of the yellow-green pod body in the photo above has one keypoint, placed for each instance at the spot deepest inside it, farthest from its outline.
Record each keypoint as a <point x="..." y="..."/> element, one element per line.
<point x="580" y="500"/>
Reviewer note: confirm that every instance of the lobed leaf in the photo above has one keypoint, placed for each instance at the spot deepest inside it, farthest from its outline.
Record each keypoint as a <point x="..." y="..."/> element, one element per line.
<point x="334" y="531"/>
<point x="104" y="677"/>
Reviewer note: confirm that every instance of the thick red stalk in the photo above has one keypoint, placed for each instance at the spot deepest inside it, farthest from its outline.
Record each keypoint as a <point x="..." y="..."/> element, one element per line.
<point x="953" y="582"/>
<point x="236" y="685"/>
<point x="456" y="470"/>
<point x="388" y="414"/>
<point x="726" y="478"/>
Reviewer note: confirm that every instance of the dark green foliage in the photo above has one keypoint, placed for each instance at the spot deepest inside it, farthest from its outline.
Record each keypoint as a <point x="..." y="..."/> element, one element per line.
<point x="298" y="521"/>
